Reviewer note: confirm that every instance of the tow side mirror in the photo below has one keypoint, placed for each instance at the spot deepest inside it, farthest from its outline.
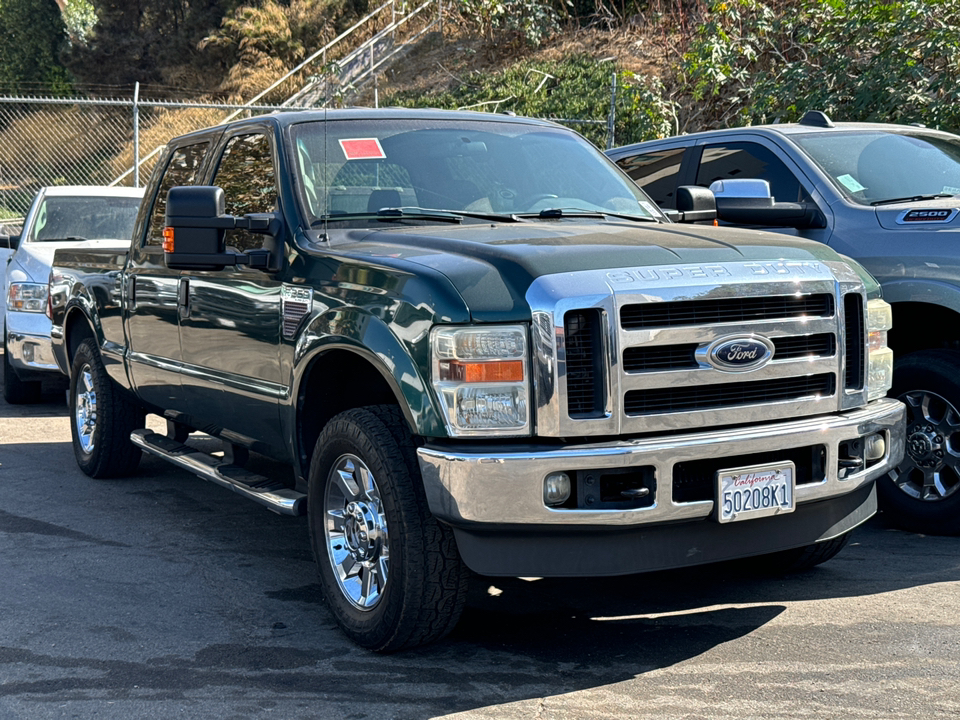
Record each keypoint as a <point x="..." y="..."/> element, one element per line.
<point x="193" y="238"/>
<point x="750" y="202"/>
<point x="695" y="204"/>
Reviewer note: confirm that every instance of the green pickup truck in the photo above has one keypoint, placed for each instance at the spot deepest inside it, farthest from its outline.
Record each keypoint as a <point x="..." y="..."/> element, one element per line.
<point x="479" y="347"/>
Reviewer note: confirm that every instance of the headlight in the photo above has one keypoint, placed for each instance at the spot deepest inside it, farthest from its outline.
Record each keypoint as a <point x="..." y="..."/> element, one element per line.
<point x="27" y="297"/>
<point x="879" y="356"/>
<point x="480" y="376"/>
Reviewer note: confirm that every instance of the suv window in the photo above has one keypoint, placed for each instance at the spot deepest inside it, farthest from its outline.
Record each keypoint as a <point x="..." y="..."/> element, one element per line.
<point x="181" y="170"/>
<point x="737" y="160"/>
<point x="657" y="173"/>
<point x="248" y="179"/>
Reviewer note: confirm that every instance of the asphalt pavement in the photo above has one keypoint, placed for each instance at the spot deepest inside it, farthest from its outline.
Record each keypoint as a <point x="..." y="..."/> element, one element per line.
<point x="164" y="596"/>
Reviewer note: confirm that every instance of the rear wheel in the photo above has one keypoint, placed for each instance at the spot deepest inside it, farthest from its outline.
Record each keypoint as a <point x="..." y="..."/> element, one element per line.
<point x="922" y="493"/>
<point x="390" y="572"/>
<point x="102" y="418"/>
<point x="15" y="390"/>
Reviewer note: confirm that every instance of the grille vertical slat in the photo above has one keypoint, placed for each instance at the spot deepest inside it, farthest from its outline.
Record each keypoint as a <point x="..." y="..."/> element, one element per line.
<point x="854" y="342"/>
<point x="584" y="358"/>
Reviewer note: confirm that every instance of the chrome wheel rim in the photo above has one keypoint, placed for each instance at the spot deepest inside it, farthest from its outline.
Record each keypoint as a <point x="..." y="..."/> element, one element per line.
<point x="356" y="532"/>
<point x="930" y="470"/>
<point x="85" y="409"/>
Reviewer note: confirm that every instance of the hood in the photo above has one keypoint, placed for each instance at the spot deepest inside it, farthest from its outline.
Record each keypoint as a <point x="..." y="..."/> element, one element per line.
<point x="493" y="265"/>
<point x="940" y="214"/>
<point x="33" y="260"/>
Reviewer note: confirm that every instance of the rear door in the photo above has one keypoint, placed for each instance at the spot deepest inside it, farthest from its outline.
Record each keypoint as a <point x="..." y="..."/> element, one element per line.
<point x="151" y="317"/>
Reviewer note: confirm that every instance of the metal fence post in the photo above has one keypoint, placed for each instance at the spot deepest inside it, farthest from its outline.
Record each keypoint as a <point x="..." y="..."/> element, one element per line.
<point x="136" y="134"/>
<point x="612" y="117"/>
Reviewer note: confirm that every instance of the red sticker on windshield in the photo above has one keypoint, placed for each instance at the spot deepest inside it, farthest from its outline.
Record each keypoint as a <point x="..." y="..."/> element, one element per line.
<point x="362" y="149"/>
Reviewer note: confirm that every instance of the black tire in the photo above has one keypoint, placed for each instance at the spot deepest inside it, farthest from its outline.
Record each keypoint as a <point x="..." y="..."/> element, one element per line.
<point x="101" y="418"/>
<point x="922" y="493"/>
<point x="409" y="585"/>
<point x="15" y="390"/>
<point x="797" y="560"/>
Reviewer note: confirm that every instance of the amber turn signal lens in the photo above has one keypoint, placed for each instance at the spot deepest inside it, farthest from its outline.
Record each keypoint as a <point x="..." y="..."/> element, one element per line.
<point x="479" y="372"/>
<point x="168" y="239"/>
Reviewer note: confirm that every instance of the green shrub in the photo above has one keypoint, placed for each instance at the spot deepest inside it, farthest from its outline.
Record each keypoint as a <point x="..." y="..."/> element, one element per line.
<point x="862" y="60"/>
<point x="577" y="88"/>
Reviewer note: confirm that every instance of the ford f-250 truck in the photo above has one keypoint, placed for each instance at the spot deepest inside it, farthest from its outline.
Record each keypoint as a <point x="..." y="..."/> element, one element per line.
<point x="478" y="345"/>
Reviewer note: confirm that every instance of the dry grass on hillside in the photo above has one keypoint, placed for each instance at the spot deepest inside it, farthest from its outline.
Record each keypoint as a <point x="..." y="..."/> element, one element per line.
<point x="438" y="65"/>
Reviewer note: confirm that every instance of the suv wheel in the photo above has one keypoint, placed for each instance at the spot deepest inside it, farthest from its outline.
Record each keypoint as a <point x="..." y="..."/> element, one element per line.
<point x="922" y="493"/>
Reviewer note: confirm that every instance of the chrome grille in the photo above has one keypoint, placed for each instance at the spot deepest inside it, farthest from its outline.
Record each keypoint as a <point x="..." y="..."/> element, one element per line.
<point x="646" y="365"/>
<point x="673" y="400"/>
<point x="726" y="310"/>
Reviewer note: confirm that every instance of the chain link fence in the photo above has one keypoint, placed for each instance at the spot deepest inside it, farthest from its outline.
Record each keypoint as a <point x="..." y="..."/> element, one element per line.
<point x="81" y="141"/>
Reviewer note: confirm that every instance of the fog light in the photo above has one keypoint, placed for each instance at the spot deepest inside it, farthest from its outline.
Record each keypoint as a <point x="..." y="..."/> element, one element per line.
<point x="27" y="351"/>
<point x="874" y="447"/>
<point x="556" y="488"/>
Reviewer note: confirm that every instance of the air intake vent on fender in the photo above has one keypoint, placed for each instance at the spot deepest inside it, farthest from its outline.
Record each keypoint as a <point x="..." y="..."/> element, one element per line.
<point x="853" y="345"/>
<point x="584" y="357"/>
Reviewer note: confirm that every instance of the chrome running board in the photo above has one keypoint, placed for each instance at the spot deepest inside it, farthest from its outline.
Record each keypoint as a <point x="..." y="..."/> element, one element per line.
<point x="269" y="493"/>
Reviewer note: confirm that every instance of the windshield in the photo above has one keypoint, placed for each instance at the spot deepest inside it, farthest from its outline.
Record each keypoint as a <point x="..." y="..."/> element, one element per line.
<point x="62" y="217"/>
<point x="872" y="167"/>
<point x="476" y="170"/>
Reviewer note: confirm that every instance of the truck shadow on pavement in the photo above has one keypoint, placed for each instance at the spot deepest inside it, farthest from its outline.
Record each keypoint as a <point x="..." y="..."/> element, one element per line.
<point x="518" y="640"/>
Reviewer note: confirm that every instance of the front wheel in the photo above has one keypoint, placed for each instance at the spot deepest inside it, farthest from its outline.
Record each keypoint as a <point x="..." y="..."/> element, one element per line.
<point x="390" y="572"/>
<point x="922" y="493"/>
<point x="102" y="418"/>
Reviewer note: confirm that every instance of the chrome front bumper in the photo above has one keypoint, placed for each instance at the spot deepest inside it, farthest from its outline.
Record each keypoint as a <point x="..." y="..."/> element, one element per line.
<point x="505" y="487"/>
<point x="28" y="342"/>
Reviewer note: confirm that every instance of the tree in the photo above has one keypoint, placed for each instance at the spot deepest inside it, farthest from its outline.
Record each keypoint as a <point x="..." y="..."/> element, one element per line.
<point x="32" y="36"/>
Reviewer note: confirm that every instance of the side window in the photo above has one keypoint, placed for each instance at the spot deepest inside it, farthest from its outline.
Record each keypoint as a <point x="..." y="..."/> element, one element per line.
<point x="248" y="179"/>
<point x="737" y="160"/>
<point x="657" y="173"/>
<point x="181" y="170"/>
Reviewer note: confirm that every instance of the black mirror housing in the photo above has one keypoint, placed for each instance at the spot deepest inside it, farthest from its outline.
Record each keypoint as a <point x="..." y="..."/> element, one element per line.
<point x="695" y="204"/>
<point x="769" y="213"/>
<point x="10" y="242"/>
<point x="195" y="224"/>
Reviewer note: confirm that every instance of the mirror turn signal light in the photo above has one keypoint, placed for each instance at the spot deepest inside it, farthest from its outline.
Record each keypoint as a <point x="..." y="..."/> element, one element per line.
<point x="168" y="239"/>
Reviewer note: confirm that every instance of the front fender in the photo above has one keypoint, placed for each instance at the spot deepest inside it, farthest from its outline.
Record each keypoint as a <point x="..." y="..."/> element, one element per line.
<point x="403" y="363"/>
<point x="931" y="292"/>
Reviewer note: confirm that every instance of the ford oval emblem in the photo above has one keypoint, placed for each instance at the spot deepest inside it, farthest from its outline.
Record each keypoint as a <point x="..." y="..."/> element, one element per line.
<point x="740" y="354"/>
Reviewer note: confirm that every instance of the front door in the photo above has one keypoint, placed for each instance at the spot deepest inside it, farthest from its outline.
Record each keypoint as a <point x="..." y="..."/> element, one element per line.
<point x="230" y="319"/>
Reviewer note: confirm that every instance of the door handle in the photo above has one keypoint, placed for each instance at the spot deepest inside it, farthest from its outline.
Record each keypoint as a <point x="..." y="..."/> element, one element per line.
<point x="183" y="298"/>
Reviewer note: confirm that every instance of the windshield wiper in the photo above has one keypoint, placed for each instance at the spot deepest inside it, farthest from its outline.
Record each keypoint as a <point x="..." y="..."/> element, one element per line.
<point x="388" y="214"/>
<point x="911" y="198"/>
<point x="550" y="213"/>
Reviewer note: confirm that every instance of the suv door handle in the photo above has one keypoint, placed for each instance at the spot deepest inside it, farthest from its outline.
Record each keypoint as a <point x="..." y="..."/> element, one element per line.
<point x="183" y="298"/>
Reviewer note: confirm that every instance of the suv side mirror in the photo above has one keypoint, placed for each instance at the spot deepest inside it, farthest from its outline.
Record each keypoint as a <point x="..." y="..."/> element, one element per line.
<point x="750" y="202"/>
<point x="193" y="238"/>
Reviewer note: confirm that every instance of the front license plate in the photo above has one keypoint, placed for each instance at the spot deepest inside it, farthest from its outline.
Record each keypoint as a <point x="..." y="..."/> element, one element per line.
<point x="752" y="492"/>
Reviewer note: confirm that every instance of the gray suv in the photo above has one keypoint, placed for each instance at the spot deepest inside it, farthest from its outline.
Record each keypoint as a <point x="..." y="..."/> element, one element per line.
<point x="887" y="196"/>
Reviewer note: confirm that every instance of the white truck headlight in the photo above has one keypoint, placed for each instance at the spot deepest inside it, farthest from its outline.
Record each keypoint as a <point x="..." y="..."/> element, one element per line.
<point x="27" y="297"/>
<point x="481" y="378"/>
<point x="879" y="356"/>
